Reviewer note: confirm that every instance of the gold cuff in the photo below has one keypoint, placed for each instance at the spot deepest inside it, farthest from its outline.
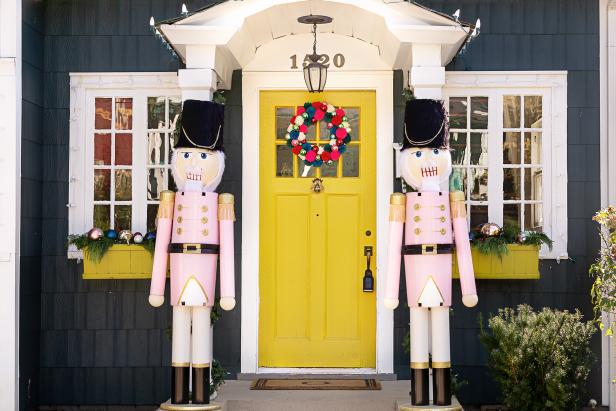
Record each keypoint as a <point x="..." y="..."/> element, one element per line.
<point x="457" y="196"/>
<point x="180" y="364"/>
<point x="203" y="365"/>
<point x="441" y="364"/>
<point x="226" y="212"/>
<point x="458" y="206"/>
<point x="420" y="365"/>
<point x="397" y="213"/>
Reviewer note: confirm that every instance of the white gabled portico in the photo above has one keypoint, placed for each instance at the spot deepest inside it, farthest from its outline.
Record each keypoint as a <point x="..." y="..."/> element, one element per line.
<point x="367" y="40"/>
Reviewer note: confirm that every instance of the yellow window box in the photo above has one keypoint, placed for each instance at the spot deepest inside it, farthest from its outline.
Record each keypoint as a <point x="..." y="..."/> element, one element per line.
<point x="121" y="262"/>
<point x="521" y="263"/>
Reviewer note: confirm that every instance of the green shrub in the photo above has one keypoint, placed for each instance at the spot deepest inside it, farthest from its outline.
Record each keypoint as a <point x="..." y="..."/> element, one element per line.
<point x="541" y="360"/>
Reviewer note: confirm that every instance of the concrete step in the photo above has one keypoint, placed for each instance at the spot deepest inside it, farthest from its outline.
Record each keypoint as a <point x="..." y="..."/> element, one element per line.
<point x="237" y="396"/>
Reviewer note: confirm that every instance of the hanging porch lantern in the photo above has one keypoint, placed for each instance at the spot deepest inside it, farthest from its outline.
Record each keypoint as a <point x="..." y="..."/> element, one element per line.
<point x="315" y="72"/>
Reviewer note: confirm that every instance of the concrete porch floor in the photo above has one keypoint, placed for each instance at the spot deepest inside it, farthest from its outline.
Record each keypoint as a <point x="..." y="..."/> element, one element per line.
<point x="237" y="396"/>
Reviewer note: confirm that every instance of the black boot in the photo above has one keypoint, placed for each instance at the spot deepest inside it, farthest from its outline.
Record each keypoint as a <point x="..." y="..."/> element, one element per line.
<point x="201" y="385"/>
<point x="441" y="380"/>
<point x="179" y="385"/>
<point x="420" y="390"/>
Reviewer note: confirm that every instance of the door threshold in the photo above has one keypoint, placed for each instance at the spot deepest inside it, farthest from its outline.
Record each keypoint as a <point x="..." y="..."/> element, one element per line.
<point x="334" y="373"/>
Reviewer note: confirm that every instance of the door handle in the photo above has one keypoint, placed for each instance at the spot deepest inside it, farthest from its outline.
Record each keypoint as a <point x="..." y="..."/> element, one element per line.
<point x="368" y="282"/>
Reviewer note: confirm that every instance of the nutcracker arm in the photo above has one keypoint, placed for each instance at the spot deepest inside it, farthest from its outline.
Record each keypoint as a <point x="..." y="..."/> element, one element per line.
<point x="397" y="215"/>
<point x="463" y="248"/>
<point x="226" y="218"/>
<point x="164" y="221"/>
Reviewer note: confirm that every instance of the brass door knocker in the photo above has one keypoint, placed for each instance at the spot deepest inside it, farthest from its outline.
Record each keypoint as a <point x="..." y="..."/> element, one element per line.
<point x="317" y="185"/>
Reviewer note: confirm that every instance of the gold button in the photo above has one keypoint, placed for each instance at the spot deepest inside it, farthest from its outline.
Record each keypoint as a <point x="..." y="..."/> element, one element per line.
<point x="204" y="209"/>
<point x="180" y="220"/>
<point x="179" y="231"/>
<point x="180" y="207"/>
<point x="416" y="206"/>
<point x="443" y="231"/>
<point x="205" y="232"/>
<point x="442" y="207"/>
<point x="204" y="220"/>
<point x="443" y="219"/>
<point x="417" y="231"/>
<point x="417" y="218"/>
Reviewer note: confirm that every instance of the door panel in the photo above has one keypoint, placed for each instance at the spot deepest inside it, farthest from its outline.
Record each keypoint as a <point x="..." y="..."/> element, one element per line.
<point x="313" y="312"/>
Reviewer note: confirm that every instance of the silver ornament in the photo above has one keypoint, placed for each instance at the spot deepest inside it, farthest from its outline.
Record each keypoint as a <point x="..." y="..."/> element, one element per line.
<point x="125" y="235"/>
<point x="490" y="229"/>
<point x="138" y="238"/>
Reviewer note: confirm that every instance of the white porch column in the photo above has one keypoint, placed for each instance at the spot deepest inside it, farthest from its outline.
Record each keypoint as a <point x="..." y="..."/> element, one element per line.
<point x="197" y="83"/>
<point x="427" y="74"/>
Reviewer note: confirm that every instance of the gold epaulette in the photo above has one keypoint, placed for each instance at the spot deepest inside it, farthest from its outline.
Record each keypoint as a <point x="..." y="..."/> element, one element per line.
<point x="397" y="207"/>
<point x="225" y="207"/>
<point x="165" y="208"/>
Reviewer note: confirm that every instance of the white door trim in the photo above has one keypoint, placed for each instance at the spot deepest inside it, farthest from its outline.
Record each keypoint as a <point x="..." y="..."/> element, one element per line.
<point x="252" y="84"/>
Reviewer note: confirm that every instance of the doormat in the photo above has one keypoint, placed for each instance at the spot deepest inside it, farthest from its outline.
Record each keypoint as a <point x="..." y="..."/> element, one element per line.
<point x="369" y="384"/>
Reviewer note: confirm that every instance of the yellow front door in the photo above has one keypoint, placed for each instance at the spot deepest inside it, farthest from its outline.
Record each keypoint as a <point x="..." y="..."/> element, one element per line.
<point x="313" y="311"/>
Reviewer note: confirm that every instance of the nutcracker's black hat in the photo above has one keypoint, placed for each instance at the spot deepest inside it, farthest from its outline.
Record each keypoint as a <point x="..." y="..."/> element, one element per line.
<point x="201" y="125"/>
<point x="425" y="124"/>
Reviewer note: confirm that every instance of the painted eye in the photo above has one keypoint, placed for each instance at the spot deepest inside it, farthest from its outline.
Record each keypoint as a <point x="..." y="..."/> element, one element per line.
<point x="203" y="156"/>
<point x="435" y="151"/>
<point x="418" y="154"/>
<point x="186" y="155"/>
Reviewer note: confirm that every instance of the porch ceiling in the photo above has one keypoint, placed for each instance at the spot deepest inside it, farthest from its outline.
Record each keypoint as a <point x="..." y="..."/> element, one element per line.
<point x="239" y="28"/>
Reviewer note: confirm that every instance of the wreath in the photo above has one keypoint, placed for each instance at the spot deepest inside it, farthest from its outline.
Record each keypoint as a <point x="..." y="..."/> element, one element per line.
<point x="314" y="155"/>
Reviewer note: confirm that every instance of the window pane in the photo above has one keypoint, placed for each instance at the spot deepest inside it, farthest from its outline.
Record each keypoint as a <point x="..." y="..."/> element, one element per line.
<point x="102" y="149"/>
<point x="532" y="148"/>
<point x="511" y="215"/>
<point x="156" y="112"/>
<point x="479" y="112"/>
<point x="511" y="148"/>
<point x="101" y="216"/>
<point x="533" y="111"/>
<point x="124" y="114"/>
<point x="457" y="112"/>
<point x="102" y="116"/>
<point x="511" y="111"/>
<point x="457" y="143"/>
<point x="122" y="217"/>
<point x="323" y="132"/>
<point x="479" y="149"/>
<point x="156" y="182"/>
<point x="533" y="217"/>
<point x="123" y="185"/>
<point x="175" y="108"/>
<point x="312" y="172"/>
<point x="511" y="184"/>
<point x="352" y="115"/>
<point x="156" y="147"/>
<point x="457" y="181"/>
<point x="284" y="161"/>
<point x="532" y="184"/>
<point x="152" y="211"/>
<point x="102" y="185"/>
<point x="350" y="161"/>
<point x="283" y="117"/>
<point x="124" y="149"/>
<point x="479" y="215"/>
<point x="329" y="170"/>
<point x="479" y="184"/>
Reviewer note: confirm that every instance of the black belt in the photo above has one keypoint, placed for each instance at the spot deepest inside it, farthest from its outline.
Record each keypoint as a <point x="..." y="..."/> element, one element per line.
<point x="427" y="249"/>
<point x="193" y="248"/>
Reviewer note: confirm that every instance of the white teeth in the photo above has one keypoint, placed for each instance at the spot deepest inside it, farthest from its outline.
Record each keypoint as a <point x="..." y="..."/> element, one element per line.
<point x="429" y="171"/>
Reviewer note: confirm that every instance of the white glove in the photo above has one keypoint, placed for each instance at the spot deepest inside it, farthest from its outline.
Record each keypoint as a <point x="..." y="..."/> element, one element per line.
<point x="227" y="303"/>
<point x="470" y="300"/>
<point x="156" y="300"/>
<point x="391" y="303"/>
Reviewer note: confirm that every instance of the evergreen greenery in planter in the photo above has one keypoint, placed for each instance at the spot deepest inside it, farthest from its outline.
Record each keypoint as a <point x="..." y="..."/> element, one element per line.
<point x="541" y="360"/>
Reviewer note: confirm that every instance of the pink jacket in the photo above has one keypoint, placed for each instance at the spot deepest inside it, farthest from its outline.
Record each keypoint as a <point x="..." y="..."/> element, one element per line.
<point x="194" y="218"/>
<point x="431" y="218"/>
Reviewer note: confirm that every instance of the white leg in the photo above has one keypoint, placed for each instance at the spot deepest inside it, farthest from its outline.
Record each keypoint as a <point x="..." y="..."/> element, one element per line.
<point x="441" y="357"/>
<point x="180" y="339"/>
<point x="201" y="337"/>
<point x="419" y="338"/>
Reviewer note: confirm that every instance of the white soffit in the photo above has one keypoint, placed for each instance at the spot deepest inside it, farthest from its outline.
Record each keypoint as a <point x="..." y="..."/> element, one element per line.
<point x="239" y="28"/>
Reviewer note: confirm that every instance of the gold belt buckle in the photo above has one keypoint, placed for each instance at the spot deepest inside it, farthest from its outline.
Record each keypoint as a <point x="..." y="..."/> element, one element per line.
<point x="425" y="251"/>
<point x="191" y="248"/>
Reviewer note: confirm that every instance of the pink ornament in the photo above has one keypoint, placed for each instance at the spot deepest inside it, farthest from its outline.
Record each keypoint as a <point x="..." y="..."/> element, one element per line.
<point x="335" y="155"/>
<point x="341" y="133"/>
<point x="301" y="110"/>
<point x="340" y="112"/>
<point x="318" y="115"/>
<point x="303" y="128"/>
<point x="294" y="143"/>
<point x="329" y="125"/>
<point x="311" y="156"/>
<point x="334" y="148"/>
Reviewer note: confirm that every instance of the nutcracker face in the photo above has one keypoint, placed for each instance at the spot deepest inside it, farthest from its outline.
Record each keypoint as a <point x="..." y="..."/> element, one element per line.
<point x="425" y="169"/>
<point x="197" y="169"/>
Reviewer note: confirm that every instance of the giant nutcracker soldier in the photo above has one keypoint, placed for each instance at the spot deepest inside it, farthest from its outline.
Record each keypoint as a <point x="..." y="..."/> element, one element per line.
<point x="432" y="222"/>
<point x="194" y="229"/>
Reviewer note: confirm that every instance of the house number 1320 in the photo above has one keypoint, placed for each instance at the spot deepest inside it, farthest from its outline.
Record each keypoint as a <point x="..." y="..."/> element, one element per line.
<point x="338" y="60"/>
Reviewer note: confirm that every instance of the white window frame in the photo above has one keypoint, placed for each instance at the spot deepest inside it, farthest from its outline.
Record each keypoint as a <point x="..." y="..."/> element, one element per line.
<point x="85" y="87"/>
<point x="552" y="86"/>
